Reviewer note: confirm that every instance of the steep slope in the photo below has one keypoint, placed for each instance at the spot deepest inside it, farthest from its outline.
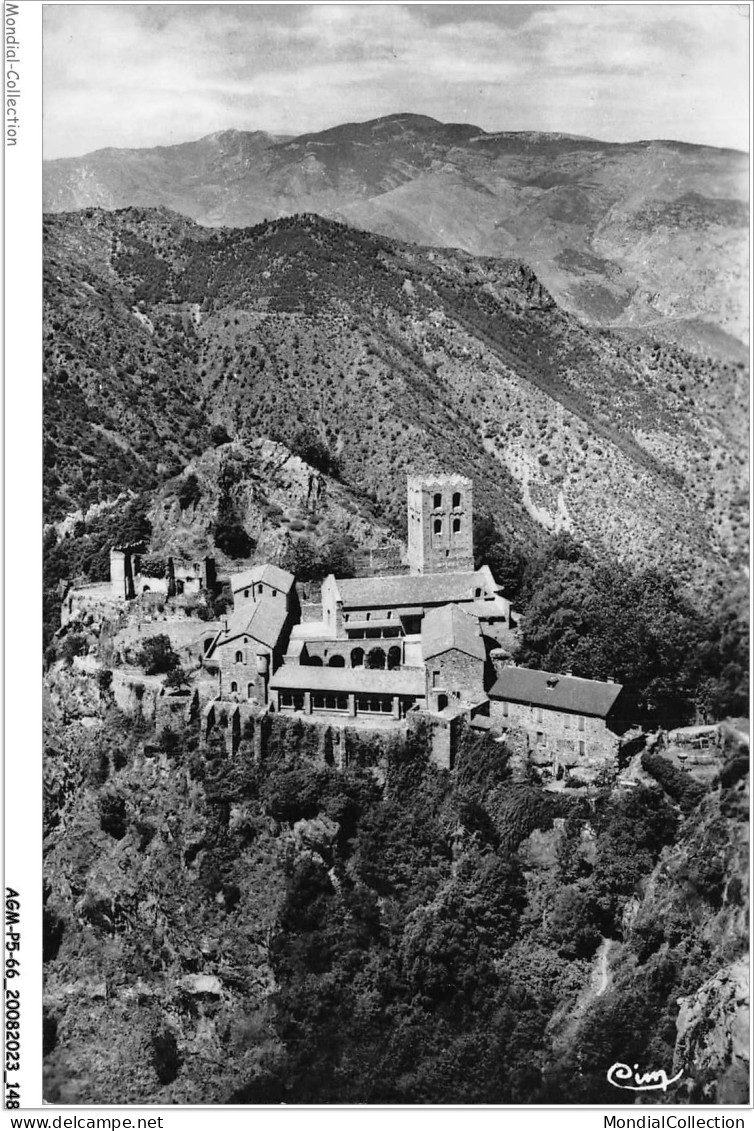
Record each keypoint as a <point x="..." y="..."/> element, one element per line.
<point x="397" y="358"/>
<point x="647" y="233"/>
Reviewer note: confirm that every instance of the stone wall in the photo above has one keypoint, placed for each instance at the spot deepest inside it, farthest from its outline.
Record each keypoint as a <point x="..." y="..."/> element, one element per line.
<point x="558" y="740"/>
<point x="459" y="676"/>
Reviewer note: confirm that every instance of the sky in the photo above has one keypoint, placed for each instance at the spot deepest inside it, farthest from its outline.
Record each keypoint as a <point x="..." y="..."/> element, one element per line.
<point x="133" y="75"/>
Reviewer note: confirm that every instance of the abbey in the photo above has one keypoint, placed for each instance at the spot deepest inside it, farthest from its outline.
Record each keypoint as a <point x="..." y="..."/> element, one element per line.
<point x="433" y="643"/>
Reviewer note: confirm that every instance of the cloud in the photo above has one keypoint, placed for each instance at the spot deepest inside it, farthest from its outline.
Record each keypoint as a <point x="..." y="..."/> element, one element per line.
<point x="135" y="75"/>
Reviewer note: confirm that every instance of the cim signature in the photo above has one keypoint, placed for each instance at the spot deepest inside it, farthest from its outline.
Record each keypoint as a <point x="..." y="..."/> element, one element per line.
<point x="618" y="1073"/>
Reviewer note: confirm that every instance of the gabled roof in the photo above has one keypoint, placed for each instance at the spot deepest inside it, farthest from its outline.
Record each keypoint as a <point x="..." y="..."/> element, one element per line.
<point x="265" y="572"/>
<point x="306" y="677"/>
<point x="449" y="627"/>
<point x="263" y="621"/>
<point x="558" y="692"/>
<point x="410" y="590"/>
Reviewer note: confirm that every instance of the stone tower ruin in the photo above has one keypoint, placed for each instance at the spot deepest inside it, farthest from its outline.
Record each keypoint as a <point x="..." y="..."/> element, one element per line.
<point x="440" y="514"/>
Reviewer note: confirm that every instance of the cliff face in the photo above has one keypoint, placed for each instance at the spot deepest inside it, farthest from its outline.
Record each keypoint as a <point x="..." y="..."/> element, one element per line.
<point x="157" y="979"/>
<point x="278" y="497"/>
<point x="676" y="994"/>
<point x="713" y="1037"/>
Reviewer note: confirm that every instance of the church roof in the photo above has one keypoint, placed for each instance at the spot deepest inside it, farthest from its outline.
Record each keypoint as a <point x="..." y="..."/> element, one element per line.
<point x="450" y="628"/>
<point x="263" y="621"/>
<point x="265" y="572"/>
<point x="305" y="677"/>
<point x="556" y="691"/>
<point x="410" y="590"/>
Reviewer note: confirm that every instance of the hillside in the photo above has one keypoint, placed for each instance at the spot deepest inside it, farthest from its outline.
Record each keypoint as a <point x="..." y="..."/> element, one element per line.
<point x="279" y="931"/>
<point x="395" y="357"/>
<point x="650" y="233"/>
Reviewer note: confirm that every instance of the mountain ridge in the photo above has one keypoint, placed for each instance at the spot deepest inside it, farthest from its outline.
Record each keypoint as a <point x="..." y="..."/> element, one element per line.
<point x="395" y="356"/>
<point x="598" y="221"/>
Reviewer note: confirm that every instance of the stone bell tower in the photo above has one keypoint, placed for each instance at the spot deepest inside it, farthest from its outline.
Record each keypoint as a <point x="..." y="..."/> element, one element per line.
<point x="440" y="514"/>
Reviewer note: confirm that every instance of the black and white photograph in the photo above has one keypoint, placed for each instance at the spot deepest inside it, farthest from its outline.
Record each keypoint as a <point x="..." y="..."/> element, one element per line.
<point x="395" y="442"/>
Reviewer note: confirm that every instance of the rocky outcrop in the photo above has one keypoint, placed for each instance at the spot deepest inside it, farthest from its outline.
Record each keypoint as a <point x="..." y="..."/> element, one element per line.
<point x="712" y="1048"/>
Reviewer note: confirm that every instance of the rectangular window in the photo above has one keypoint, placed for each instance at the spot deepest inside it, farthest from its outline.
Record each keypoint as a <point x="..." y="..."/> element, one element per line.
<point x="541" y="741"/>
<point x="435" y="679"/>
<point x="581" y="722"/>
<point x="582" y="748"/>
<point x="539" y="714"/>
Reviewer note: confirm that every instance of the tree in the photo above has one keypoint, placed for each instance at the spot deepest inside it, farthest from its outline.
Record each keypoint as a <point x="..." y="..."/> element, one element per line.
<point x="176" y="678"/>
<point x="189" y="493"/>
<point x="230" y="536"/>
<point x="219" y="435"/>
<point x="157" y="655"/>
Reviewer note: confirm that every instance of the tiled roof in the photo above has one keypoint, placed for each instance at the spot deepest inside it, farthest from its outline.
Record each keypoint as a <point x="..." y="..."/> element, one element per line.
<point x="270" y="574"/>
<point x="449" y="627"/>
<point x="411" y="590"/>
<point x="303" y="677"/>
<point x="264" y="621"/>
<point x="558" y="692"/>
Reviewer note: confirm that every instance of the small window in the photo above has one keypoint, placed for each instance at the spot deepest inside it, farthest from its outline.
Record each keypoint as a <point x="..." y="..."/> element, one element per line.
<point x="539" y="714"/>
<point x="582" y="748"/>
<point x="437" y="501"/>
<point x="581" y="722"/>
<point x="246" y="592"/>
<point x="274" y="592"/>
<point x="541" y="739"/>
<point x="435" y="679"/>
<point x="456" y="525"/>
<point x="438" y="526"/>
<point x="234" y="686"/>
<point x="239" y="657"/>
<point x="456" y="498"/>
<point x="250" y="691"/>
<point x="505" y="709"/>
<point x="477" y="592"/>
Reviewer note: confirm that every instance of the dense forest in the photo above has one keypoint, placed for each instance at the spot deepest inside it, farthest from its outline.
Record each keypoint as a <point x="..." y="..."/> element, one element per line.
<point x="286" y="932"/>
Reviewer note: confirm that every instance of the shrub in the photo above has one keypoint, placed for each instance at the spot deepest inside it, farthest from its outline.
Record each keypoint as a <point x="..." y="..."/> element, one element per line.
<point x="152" y="565"/>
<point x="74" y="644"/>
<point x="219" y="435"/>
<point x="189" y="493"/>
<point x="157" y="655"/>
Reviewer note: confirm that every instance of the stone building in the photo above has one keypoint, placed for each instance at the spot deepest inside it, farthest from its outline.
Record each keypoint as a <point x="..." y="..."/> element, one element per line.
<point x="454" y="657"/>
<point x="176" y="578"/>
<point x="568" y="721"/>
<point x="263" y="581"/>
<point x="348" y="692"/>
<point x="440" y="533"/>
<point x="369" y="608"/>
<point x="250" y="647"/>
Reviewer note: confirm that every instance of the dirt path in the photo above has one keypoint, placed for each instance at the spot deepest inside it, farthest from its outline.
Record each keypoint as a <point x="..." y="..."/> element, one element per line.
<point x="600" y="975"/>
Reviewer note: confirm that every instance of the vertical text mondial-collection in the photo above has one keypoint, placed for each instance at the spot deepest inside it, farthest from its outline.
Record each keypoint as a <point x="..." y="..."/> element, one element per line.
<point x="12" y="75"/>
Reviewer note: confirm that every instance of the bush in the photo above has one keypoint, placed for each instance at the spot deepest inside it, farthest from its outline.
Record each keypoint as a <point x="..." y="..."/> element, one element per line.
<point x="189" y="493"/>
<point x="157" y="656"/>
<point x="152" y="565"/>
<point x="74" y="644"/>
<point x="229" y="534"/>
<point x="678" y="785"/>
<point x="112" y="815"/>
<point x="176" y="678"/>
<point x="219" y="435"/>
